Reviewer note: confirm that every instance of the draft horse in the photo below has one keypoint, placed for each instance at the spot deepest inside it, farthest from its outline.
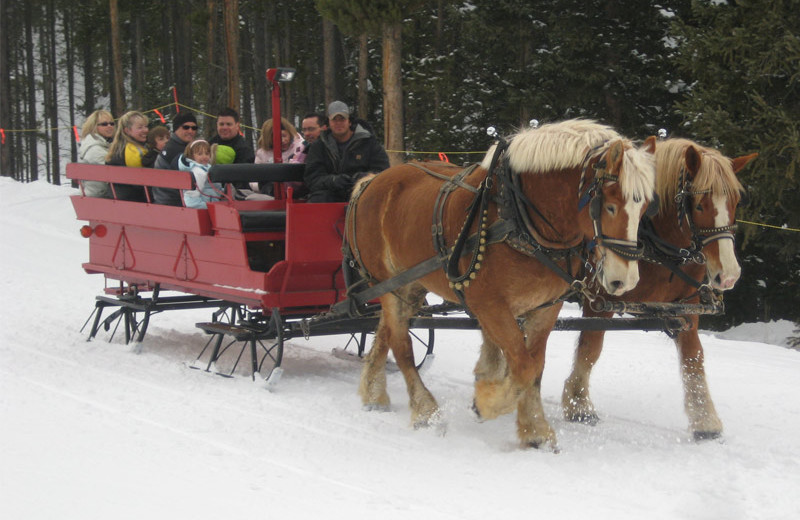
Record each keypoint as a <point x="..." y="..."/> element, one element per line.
<point x="527" y="239"/>
<point x="689" y="247"/>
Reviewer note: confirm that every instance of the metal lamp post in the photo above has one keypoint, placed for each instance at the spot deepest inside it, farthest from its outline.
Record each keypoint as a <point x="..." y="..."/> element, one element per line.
<point x="275" y="77"/>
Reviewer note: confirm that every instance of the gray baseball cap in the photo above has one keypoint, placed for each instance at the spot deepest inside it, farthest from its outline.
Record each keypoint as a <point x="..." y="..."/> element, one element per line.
<point x="338" y="107"/>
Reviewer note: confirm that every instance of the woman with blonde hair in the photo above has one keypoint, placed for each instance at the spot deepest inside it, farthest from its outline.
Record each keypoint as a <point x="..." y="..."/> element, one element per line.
<point x="96" y="135"/>
<point x="127" y="149"/>
<point x="290" y="142"/>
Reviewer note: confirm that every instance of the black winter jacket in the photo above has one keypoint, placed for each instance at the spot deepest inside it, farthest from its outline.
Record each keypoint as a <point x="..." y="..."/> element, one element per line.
<point x="168" y="160"/>
<point x="329" y="176"/>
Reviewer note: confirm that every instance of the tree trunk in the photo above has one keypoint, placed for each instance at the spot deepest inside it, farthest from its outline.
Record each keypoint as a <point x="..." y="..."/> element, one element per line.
<point x="246" y="82"/>
<point x="184" y="56"/>
<point x="118" y="96"/>
<point x="44" y="60"/>
<point x="260" y="91"/>
<point x="363" y="75"/>
<point x="52" y="102"/>
<point x="231" y="20"/>
<point x="329" y="61"/>
<point x="33" y="162"/>
<point x="393" y="91"/>
<point x="5" y="91"/>
<point x="212" y="87"/>
<point x="70" y="65"/>
<point x="137" y="63"/>
<point x="287" y="92"/>
<point x="88" y="79"/>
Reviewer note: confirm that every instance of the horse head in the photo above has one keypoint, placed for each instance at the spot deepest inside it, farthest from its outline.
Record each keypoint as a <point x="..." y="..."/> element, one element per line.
<point x="699" y="194"/>
<point x="613" y="180"/>
<point x="621" y="192"/>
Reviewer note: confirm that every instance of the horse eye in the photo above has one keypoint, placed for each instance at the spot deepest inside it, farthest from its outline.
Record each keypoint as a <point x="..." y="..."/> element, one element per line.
<point x="612" y="209"/>
<point x="699" y="207"/>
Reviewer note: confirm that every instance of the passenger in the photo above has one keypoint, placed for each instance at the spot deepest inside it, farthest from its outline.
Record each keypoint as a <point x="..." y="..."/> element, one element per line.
<point x="127" y="149"/>
<point x="157" y="138"/>
<point x="96" y="136"/>
<point x="343" y="154"/>
<point x="184" y="131"/>
<point x="228" y="129"/>
<point x="312" y="127"/>
<point x="290" y="142"/>
<point x="197" y="158"/>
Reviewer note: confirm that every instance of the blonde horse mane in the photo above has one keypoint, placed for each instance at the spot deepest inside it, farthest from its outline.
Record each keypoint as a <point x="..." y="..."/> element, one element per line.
<point x="565" y="145"/>
<point x="715" y="174"/>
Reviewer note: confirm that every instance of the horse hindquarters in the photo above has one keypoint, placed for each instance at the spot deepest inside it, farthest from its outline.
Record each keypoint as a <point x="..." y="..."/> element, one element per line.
<point x="704" y="423"/>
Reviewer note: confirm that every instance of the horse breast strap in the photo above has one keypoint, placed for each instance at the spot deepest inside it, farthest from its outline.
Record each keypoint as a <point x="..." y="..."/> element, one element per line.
<point x="354" y="258"/>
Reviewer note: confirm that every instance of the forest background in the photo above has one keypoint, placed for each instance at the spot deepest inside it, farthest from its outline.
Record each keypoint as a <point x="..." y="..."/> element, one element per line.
<point x="431" y="76"/>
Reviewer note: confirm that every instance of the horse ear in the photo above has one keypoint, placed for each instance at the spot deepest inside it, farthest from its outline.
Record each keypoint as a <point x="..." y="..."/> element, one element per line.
<point x="693" y="159"/>
<point x="650" y="144"/>
<point x="741" y="162"/>
<point x="614" y="156"/>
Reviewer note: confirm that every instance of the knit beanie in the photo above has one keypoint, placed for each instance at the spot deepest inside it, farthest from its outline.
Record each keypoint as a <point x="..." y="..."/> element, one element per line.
<point x="225" y="154"/>
<point x="181" y="118"/>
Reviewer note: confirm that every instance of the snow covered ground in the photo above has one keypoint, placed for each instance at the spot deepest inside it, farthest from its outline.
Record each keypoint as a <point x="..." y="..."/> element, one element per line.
<point x="91" y="430"/>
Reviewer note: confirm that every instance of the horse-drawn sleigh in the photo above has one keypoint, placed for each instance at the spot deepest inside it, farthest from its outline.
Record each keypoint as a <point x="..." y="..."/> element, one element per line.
<point x="550" y="213"/>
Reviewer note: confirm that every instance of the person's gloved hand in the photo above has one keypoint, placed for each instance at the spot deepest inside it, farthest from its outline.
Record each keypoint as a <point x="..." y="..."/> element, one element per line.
<point x="343" y="183"/>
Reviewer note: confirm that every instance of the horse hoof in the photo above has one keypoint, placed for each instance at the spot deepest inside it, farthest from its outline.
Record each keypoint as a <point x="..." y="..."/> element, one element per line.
<point x="476" y="411"/>
<point x="587" y="418"/>
<point x="433" y="421"/>
<point x="700" y="436"/>
<point x="375" y="407"/>
<point x="544" y="445"/>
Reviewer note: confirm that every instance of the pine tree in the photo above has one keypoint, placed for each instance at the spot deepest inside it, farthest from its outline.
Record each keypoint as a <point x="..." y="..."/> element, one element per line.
<point x="741" y="60"/>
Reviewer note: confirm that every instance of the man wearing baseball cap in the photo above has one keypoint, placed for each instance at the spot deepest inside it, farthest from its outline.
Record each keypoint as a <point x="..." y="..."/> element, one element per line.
<point x="344" y="153"/>
<point x="184" y="131"/>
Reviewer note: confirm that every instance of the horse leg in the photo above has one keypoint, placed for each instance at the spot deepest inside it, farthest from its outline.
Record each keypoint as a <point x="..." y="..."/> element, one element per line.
<point x="372" y="387"/>
<point x="703" y="420"/>
<point x="491" y="363"/>
<point x="575" y="400"/>
<point x="497" y="391"/>
<point x="491" y="376"/>
<point x="393" y="333"/>
<point x="533" y="429"/>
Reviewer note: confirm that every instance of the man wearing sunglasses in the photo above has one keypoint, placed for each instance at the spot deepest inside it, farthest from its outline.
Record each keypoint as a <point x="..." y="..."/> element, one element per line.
<point x="184" y="131"/>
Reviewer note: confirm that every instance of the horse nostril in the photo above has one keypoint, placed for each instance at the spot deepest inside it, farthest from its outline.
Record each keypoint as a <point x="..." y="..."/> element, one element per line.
<point x="718" y="280"/>
<point x="616" y="285"/>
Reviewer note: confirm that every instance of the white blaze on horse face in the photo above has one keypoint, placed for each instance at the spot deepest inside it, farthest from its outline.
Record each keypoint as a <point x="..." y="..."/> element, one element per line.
<point x="618" y="275"/>
<point x="724" y="272"/>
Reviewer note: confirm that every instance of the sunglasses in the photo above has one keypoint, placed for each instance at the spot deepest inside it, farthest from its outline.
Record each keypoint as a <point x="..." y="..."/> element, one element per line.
<point x="189" y="127"/>
<point x="107" y="123"/>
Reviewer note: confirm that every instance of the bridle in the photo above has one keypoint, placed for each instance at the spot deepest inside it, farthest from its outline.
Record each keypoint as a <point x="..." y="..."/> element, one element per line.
<point x="625" y="249"/>
<point x="670" y="256"/>
<point x="700" y="236"/>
